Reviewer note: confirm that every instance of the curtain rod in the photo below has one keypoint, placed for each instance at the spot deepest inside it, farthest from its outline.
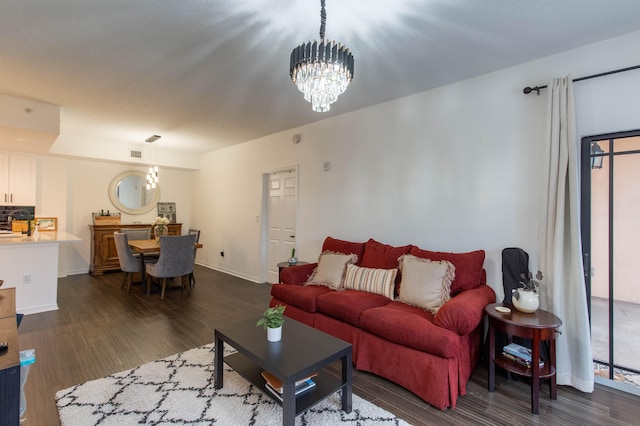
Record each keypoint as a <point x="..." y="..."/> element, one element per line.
<point x="528" y="89"/>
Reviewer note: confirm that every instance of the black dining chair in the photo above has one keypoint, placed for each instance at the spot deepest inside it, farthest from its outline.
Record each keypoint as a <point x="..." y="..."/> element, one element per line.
<point x="196" y="232"/>
<point x="129" y="263"/>
<point x="176" y="260"/>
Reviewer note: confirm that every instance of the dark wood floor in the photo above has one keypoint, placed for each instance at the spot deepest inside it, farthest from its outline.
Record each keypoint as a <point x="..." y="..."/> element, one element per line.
<point x="101" y="329"/>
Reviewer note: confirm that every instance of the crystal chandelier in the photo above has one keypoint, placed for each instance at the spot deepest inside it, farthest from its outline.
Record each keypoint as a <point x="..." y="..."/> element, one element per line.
<point x="152" y="175"/>
<point x="321" y="70"/>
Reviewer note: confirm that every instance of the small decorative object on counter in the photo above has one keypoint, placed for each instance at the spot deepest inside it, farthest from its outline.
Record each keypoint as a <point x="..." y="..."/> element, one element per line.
<point x="526" y="299"/>
<point x="102" y="218"/>
<point x="160" y="227"/>
<point x="272" y="321"/>
<point x="293" y="259"/>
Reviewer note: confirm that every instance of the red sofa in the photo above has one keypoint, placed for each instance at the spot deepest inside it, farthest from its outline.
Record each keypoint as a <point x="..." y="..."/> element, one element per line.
<point x="431" y="355"/>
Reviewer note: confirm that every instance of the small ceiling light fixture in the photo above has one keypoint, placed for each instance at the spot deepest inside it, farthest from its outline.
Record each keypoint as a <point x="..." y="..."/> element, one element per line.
<point x="152" y="175"/>
<point x="321" y="70"/>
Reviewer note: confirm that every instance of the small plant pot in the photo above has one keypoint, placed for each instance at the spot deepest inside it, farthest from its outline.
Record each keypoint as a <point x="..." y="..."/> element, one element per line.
<point x="274" y="334"/>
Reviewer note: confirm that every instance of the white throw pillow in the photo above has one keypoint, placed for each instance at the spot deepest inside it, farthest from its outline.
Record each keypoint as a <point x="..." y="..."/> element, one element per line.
<point x="378" y="281"/>
<point x="331" y="269"/>
<point x="425" y="283"/>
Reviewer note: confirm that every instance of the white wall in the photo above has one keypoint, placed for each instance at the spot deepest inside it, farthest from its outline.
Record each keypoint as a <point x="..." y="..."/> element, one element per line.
<point x="454" y="169"/>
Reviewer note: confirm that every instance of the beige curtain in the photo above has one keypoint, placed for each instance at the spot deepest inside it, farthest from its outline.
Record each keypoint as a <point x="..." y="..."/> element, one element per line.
<point x="563" y="287"/>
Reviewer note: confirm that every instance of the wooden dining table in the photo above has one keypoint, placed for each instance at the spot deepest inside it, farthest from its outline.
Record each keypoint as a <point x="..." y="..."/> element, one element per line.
<point x="147" y="247"/>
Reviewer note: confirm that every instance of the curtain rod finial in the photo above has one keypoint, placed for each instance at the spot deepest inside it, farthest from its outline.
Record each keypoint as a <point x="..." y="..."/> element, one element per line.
<point x="528" y="90"/>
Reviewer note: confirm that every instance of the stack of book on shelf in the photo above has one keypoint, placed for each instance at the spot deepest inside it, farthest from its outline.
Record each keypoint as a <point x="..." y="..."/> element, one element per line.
<point x="519" y="354"/>
<point x="275" y="385"/>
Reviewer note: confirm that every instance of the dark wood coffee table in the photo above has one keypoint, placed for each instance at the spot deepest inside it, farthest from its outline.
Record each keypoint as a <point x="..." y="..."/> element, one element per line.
<point x="303" y="350"/>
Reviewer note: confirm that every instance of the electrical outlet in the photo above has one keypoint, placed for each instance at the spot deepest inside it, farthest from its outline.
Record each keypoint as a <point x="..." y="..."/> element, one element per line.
<point x="26" y="279"/>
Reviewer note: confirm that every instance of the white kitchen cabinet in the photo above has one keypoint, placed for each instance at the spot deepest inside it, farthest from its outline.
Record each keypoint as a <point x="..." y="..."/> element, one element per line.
<point x="18" y="180"/>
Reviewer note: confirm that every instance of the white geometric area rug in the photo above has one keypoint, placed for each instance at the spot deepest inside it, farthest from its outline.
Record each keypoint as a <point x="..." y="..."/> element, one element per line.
<point x="179" y="390"/>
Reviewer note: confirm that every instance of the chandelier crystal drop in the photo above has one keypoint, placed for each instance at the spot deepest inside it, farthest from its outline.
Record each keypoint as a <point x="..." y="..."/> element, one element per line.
<point x="322" y="70"/>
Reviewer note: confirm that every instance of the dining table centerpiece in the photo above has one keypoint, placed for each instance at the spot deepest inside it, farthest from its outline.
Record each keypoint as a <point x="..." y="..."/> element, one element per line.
<point x="160" y="227"/>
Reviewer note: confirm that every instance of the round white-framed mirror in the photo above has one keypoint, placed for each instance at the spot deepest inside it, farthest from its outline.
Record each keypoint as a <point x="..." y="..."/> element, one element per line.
<point x="128" y="192"/>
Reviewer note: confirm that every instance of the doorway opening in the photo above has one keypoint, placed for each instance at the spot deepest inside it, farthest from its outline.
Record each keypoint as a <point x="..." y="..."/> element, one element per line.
<point x="610" y="202"/>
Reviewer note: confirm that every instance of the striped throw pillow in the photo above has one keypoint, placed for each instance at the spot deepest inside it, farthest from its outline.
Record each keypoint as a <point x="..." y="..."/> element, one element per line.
<point x="378" y="281"/>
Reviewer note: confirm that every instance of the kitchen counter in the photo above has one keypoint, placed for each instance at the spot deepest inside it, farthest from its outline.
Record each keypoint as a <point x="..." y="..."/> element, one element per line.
<point x="30" y="264"/>
<point x="43" y="237"/>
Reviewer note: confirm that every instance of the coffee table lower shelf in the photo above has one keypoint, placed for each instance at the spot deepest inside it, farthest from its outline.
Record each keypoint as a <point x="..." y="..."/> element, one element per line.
<point x="326" y="384"/>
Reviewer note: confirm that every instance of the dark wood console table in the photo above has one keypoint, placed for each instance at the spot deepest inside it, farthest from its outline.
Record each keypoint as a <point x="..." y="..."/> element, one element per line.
<point x="104" y="256"/>
<point x="10" y="361"/>
<point x="537" y="326"/>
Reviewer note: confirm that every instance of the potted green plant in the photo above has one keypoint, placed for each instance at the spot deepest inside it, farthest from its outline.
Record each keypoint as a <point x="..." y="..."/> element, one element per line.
<point x="272" y="321"/>
<point x="293" y="259"/>
<point x="526" y="299"/>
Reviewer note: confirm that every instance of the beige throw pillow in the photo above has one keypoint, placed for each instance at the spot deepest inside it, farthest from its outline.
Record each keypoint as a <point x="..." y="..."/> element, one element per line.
<point x="331" y="269"/>
<point x="378" y="281"/>
<point x="425" y="283"/>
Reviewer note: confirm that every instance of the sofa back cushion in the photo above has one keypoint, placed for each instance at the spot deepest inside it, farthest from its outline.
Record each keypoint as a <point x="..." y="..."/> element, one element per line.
<point x="426" y="283"/>
<point x="344" y="247"/>
<point x="469" y="270"/>
<point x="383" y="256"/>
<point x="371" y="280"/>
<point x="331" y="269"/>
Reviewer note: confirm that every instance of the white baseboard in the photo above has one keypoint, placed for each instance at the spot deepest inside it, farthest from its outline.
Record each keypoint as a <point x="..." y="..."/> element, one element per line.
<point x="227" y="271"/>
<point x="38" y="309"/>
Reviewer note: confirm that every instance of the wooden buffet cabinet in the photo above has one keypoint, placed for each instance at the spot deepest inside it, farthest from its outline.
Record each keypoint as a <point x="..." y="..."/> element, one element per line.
<point x="104" y="256"/>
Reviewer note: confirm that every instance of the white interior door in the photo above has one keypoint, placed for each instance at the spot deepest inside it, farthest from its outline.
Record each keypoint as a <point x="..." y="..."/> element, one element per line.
<point x="281" y="219"/>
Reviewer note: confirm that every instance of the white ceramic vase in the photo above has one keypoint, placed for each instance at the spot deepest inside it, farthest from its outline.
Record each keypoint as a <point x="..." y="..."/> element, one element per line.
<point x="274" y="334"/>
<point x="525" y="300"/>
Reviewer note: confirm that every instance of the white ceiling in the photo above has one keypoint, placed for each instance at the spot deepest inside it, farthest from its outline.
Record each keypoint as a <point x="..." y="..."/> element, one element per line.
<point x="210" y="73"/>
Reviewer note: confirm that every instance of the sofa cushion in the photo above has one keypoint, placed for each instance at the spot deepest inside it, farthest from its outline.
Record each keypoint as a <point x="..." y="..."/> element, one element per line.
<point x="371" y="280"/>
<point x="412" y="327"/>
<point x="302" y="296"/>
<point x="331" y="269"/>
<point x="344" y="247"/>
<point x="378" y="255"/>
<point x="425" y="283"/>
<point x="348" y="305"/>
<point x="468" y="267"/>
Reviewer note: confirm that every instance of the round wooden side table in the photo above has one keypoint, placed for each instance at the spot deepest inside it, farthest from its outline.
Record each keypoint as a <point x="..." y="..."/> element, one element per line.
<point x="537" y="326"/>
<point x="283" y="265"/>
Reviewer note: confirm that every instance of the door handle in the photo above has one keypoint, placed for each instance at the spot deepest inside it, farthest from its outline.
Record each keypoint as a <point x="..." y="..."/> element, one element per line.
<point x="292" y="236"/>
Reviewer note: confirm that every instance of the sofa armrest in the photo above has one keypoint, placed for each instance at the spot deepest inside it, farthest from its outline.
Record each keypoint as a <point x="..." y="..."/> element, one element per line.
<point x="297" y="275"/>
<point x="463" y="313"/>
